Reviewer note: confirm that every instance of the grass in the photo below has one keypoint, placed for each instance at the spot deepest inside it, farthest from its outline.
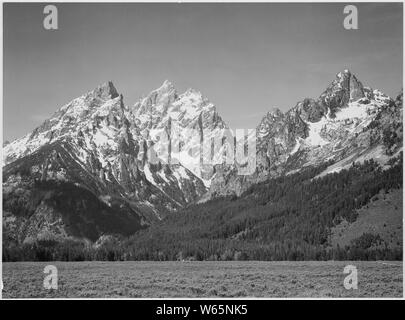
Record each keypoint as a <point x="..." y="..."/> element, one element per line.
<point x="382" y="216"/>
<point x="202" y="279"/>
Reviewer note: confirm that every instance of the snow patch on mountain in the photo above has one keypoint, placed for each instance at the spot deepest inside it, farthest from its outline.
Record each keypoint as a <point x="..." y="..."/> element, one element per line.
<point x="353" y="110"/>
<point x="314" y="136"/>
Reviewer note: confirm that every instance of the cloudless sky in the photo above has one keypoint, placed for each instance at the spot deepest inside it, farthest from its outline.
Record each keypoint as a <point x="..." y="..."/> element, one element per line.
<point x="245" y="58"/>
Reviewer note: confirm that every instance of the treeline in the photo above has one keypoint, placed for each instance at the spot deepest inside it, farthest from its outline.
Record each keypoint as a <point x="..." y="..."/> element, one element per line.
<point x="288" y="218"/>
<point x="211" y="250"/>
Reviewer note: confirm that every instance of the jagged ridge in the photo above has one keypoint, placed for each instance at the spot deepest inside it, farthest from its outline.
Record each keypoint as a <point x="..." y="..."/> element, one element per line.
<point x="98" y="144"/>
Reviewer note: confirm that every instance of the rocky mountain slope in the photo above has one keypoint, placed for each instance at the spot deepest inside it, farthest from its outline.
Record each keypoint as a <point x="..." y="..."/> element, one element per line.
<point x="99" y="166"/>
<point x="347" y="123"/>
<point x="101" y="150"/>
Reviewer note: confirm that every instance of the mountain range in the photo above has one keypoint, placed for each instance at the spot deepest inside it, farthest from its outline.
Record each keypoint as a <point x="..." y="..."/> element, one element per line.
<point x="90" y="170"/>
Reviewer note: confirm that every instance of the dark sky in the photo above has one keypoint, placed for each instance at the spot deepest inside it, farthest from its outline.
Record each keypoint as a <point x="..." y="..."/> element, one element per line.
<point x="246" y="58"/>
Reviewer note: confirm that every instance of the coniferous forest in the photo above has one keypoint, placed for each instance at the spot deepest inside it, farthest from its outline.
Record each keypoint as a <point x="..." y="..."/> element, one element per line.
<point x="287" y="218"/>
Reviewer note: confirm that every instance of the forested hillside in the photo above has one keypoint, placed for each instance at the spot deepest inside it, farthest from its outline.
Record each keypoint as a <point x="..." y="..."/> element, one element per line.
<point x="288" y="218"/>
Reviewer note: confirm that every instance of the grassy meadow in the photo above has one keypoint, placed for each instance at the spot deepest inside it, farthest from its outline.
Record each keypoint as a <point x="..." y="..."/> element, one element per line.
<point x="202" y="279"/>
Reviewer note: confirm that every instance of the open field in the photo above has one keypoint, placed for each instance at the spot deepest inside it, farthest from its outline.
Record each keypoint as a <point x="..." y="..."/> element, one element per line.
<point x="202" y="279"/>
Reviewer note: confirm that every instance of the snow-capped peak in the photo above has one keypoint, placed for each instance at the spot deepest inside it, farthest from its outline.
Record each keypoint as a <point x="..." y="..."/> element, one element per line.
<point x="167" y="86"/>
<point x="341" y="114"/>
<point x="345" y="72"/>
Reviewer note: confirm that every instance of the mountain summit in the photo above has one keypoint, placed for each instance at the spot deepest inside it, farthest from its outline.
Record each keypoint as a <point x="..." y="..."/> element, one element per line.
<point x="106" y="91"/>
